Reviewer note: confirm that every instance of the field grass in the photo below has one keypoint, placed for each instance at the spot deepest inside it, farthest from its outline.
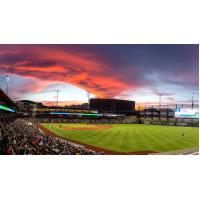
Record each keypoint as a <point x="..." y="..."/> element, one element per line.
<point x="130" y="137"/>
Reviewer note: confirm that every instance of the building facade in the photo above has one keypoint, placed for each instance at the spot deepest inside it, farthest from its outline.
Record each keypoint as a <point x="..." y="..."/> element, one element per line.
<point x="112" y="105"/>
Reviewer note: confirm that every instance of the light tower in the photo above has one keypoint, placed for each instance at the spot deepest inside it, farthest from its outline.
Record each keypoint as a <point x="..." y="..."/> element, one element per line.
<point x="57" y="91"/>
<point x="193" y="99"/>
<point x="7" y="81"/>
<point x="160" y="100"/>
<point x="88" y="97"/>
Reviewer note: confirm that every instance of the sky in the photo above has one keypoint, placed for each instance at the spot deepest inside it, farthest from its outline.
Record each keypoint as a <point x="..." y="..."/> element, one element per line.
<point x="134" y="72"/>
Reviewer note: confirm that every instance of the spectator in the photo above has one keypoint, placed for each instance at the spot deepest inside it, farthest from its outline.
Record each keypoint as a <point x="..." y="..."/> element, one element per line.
<point x="22" y="137"/>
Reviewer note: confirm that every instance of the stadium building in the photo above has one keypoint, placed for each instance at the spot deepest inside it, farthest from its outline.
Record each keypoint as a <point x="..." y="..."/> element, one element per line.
<point x="26" y="105"/>
<point x="35" y="129"/>
<point x="158" y="114"/>
<point x="112" y="105"/>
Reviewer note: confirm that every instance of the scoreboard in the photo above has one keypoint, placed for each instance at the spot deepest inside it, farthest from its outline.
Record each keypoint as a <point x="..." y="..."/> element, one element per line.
<point x="187" y="113"/>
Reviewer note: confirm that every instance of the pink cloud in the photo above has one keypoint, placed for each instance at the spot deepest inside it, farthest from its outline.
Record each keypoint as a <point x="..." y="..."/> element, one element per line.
<point x="55" y="65"/>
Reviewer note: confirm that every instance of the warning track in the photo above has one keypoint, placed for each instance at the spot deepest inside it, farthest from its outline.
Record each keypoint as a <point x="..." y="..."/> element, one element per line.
<point x="87" y="127"/>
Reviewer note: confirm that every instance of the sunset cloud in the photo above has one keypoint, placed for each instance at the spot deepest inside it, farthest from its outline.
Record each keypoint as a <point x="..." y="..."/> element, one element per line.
<point x="103" y="70"/>
<point x="57" y="66"/>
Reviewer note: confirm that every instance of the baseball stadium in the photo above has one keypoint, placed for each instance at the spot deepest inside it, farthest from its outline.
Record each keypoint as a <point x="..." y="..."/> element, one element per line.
<point x="31" y="128"/>
<point x="104" y="124"/>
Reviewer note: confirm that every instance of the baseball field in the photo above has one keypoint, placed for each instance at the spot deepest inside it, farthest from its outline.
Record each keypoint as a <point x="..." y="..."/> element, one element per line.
<point x="127" y="138"/>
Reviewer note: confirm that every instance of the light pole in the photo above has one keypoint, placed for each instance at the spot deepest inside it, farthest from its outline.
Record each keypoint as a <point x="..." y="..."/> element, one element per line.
<point x="57" y="91"/>
<point x="7" y="81"/>
<point x="160" y="101"/>
<point x="88" y="96"/>
<point x="193" y="99"/>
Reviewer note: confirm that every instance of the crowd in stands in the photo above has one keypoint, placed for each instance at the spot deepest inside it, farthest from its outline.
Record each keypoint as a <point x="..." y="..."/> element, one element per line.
<point x="22" y="137"/>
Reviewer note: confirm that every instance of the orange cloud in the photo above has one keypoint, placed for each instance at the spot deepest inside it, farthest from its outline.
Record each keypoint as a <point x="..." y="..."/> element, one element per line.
<point x="62" y="103"/>
<point x="57" y="65"/>
<point x="39" y="69"/>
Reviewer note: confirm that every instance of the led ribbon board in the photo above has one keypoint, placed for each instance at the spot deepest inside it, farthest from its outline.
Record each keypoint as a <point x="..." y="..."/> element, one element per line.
<point x="6" y="108"/>
<point x="82" y="114"/>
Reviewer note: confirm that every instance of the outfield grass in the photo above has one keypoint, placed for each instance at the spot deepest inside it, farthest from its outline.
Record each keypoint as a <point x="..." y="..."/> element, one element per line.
<point x="132" y="137"/>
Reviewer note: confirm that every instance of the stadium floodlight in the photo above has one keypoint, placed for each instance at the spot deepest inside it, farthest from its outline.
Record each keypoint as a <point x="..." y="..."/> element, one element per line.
<point x="160" y="99"/>
<point x="57" y="91"/>
<point x="193" y="99"/>
<point x="88" y="97"/>
<point x="7" y="81"/>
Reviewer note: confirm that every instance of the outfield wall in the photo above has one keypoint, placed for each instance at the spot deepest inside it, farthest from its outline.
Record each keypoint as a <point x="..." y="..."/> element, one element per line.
<point x="128" y="120"/>
<point x="186" y="122"/>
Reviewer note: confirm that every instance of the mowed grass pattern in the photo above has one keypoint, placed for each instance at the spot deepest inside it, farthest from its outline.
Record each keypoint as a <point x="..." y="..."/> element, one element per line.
<point x="132" y="137"/>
